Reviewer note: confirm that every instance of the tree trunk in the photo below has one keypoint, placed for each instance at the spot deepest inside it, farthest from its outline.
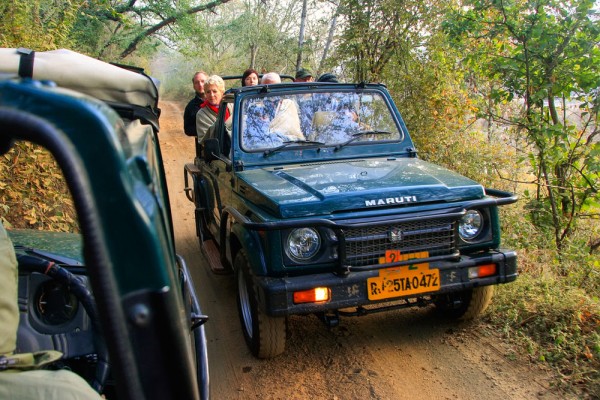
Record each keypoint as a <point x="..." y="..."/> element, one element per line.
<point x="253" y="52"/>
<point x="329" y="39"/>
<point x="301" y="36"/>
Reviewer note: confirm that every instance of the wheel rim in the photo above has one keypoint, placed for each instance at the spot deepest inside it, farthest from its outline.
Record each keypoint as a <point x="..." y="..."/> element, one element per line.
<point x="245" y="307"/>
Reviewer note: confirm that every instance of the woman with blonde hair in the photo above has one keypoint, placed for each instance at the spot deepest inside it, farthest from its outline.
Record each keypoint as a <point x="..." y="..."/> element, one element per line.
<point x="214" y="87"/>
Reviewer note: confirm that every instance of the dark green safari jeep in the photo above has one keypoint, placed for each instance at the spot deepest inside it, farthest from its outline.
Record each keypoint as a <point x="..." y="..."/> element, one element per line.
<point x="115" y="299"/>
<point x="313" y="196"/>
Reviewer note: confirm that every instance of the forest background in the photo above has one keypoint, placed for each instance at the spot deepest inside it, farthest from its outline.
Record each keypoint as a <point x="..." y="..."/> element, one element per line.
<point x="505" y="92"/>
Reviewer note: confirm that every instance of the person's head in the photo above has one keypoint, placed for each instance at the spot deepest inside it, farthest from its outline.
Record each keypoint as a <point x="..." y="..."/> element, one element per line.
<point x="198" y="82"/>
<point x="214" y="87"/>
<point x="250" y="77"/>
<point x="270" y="78"/>
<point x="303" y="75"/>
<point x="328" y="77"/>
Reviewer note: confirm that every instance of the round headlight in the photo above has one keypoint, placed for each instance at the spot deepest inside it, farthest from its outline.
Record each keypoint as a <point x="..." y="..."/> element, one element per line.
<point x="470" y="225"/>
<point x="303" y="243"/>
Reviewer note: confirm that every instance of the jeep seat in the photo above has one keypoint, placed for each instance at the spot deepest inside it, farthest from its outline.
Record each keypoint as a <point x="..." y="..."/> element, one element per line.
<point x="321" y="123"/>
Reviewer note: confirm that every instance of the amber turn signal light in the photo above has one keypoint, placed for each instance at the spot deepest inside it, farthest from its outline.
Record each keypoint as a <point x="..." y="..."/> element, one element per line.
<point x="481" y="271"/>
<point x="316" y="295"/>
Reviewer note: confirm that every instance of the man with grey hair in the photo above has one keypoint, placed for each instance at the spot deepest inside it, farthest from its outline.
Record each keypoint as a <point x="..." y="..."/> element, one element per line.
<point x="189" y="115"/>
<point x="270" y="78"/>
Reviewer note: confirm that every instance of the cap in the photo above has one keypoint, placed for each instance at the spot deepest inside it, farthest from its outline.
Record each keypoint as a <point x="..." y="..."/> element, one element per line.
<point x="303" y="73"/>
<point x="328" y="77"/>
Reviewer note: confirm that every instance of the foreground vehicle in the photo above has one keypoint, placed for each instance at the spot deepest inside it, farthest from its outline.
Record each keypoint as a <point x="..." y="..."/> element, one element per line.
<point x="313" y="196"/>
<point x="115" y="299"/>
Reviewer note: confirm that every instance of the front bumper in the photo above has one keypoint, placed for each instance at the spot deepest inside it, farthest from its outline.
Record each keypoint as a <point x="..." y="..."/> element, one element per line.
<point x="276" y="294"/>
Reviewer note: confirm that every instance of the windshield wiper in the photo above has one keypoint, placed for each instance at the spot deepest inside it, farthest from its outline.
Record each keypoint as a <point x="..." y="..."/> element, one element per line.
<point x="287" y="143"/>
<point x="358" y="135"/>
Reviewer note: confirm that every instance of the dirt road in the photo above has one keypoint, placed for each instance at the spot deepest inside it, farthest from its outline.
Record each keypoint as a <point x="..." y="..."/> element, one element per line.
<point x="406" y="354"/>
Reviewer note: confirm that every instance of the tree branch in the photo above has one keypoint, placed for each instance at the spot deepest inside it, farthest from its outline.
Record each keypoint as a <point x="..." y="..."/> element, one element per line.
<point x="153" y="29"/>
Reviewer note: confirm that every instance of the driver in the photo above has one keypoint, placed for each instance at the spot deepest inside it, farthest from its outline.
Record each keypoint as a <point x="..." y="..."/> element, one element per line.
<point x="20" y="375"/>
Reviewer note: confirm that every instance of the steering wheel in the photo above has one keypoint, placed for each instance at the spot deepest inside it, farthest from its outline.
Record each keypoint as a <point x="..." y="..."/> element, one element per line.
<point x="84" y="296"/>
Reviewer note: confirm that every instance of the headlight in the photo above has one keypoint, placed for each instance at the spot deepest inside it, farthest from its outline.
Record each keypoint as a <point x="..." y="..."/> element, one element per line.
<point x="470" y="225"/>
<point x="303" y="243"/>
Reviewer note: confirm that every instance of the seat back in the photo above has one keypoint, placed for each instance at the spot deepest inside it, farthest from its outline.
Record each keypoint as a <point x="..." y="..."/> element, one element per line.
<point x="9" y="310"/>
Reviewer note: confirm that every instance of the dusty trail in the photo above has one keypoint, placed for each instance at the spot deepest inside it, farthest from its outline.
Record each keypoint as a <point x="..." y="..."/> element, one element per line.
<point x="406" y="354"/>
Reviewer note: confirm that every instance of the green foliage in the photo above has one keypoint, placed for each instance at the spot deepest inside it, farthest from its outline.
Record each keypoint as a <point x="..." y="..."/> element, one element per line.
<point x="250" y="33"/>
<point x="557" y="325"/>
<point x="105" y="29"/>
<point x="112" y="30"/>
<point x="552" y="311"/>
<point x="377" y="31"/>
<point x="37" y="24"/>
<point x="544" y="54"/>
<point x="256" y="33"/>
<point x="442" y="117"/>
<point x="39" y="198"/>
<point x="579" y="267"/>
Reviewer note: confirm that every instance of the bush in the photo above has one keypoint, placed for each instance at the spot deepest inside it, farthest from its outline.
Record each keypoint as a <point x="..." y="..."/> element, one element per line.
<point x="551" y="311"/>
<point x="555" y="323"/>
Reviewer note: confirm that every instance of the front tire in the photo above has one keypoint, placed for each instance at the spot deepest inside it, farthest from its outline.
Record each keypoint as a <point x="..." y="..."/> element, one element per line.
<point x="465" y="305"/>
<point x="264" y="335"/>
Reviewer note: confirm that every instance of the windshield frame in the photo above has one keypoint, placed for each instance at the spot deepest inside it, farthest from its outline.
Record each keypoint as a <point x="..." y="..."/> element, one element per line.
<point x="241" y="159"/>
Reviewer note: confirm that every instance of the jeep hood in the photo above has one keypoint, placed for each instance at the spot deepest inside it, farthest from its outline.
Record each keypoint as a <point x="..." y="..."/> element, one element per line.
<point x="60" y="247"/>
<point x="325" y="188"/>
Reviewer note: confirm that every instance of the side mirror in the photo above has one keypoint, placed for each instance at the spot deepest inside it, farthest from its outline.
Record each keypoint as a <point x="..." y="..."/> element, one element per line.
<point x="211" y="149"/>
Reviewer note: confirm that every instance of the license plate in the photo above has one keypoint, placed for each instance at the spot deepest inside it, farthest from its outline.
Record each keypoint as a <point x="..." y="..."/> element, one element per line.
<point x="404" y="280"/>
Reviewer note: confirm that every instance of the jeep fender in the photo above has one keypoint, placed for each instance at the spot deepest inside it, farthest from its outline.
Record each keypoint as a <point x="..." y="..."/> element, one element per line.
<point x="251" y="243"/>
<point x="202" y="192"/>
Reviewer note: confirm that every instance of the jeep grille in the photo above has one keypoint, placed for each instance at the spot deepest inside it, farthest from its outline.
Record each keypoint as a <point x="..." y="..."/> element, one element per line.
<point x="365" y="245"/>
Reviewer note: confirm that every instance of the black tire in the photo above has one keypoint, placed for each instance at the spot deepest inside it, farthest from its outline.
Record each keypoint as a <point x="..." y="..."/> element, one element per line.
<point x="264" y="335"/>
<point x="465" y="305"/>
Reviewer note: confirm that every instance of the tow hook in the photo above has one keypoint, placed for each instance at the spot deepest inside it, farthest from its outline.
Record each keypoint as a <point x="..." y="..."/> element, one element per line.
<point x="331" y="319"/>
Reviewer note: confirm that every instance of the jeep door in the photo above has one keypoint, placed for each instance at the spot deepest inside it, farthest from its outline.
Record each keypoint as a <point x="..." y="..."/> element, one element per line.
<point x="218" y="173"/>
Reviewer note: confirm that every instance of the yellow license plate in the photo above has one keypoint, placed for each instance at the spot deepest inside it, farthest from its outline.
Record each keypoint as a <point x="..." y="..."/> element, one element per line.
<point x="405" y="280"/>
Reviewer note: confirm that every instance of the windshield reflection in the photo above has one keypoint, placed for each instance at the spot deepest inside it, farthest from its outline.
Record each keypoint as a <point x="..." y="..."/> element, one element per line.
<point x="332" y="118"/>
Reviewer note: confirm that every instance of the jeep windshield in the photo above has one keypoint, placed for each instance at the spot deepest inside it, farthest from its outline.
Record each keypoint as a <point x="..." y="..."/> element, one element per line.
<point x="275" y="122"/>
